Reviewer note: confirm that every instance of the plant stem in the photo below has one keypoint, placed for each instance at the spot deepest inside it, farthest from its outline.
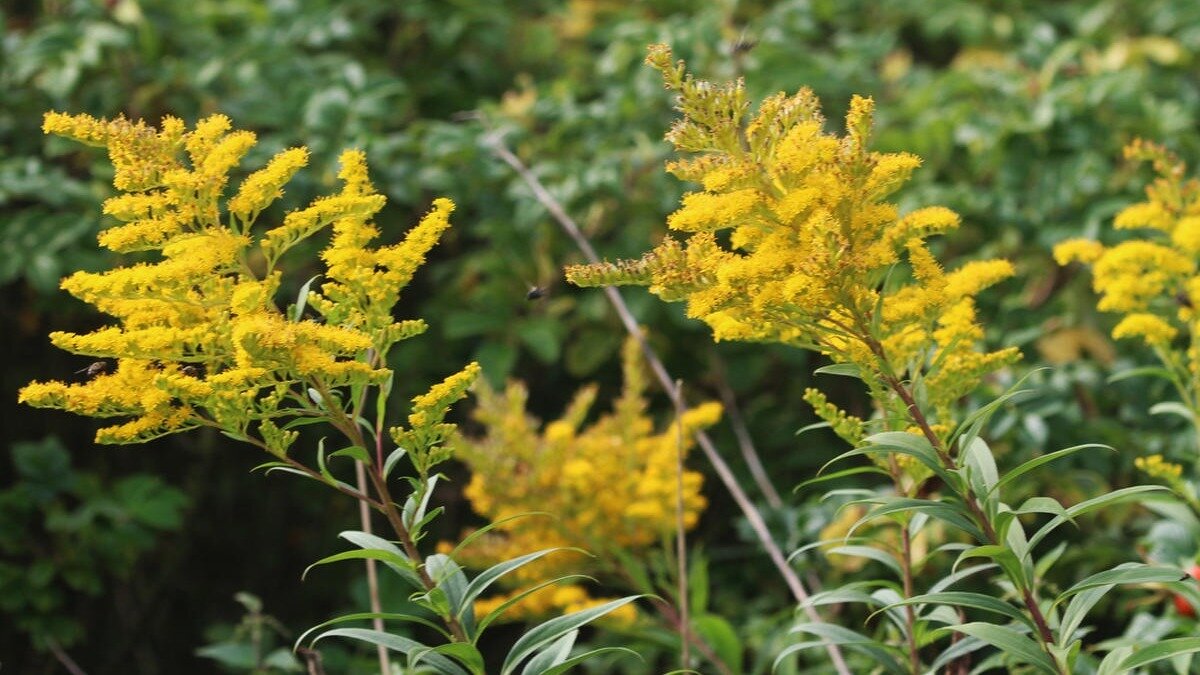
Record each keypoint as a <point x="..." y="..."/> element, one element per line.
<point x="388" y="507"/>
<point x="910" y="617"/>
<point x="968" y="495"/>
<point x="664" y="378"/>
<point x="410" y="548"/>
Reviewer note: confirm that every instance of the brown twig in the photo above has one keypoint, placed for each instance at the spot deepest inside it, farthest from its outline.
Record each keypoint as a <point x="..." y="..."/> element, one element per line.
<point x="681" y="540"/>
<point x="364" y="516"/>
<point x="742" y="434"/>
<point x="664" y="378"/>
<point x="63" y="658"/>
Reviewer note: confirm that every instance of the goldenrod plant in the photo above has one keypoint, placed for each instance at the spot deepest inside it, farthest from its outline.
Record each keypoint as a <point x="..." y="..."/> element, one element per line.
<point x="197" y="340"/>
<point x="791" y="240"/>
<point x="608" y="487"/>
<point x="1150" y="280"/>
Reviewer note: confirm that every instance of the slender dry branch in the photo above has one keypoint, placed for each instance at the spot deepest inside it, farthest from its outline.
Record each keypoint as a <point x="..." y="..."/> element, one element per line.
<point x="664" y="378"/>
<point x="744" y="440"/>
<point x="64" y="659"/>
<point x="681" y="540"/>
<point x="364" y="516"/>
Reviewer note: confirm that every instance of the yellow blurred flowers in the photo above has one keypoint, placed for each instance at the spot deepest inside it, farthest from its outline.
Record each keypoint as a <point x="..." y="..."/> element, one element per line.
<point x="609" y="487"/>
<point x="198" y="338"/>
<point x="1153" y="278"/>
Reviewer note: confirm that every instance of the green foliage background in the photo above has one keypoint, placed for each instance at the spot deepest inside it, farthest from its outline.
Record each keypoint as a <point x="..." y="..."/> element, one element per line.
<point x="1019" y="109"/>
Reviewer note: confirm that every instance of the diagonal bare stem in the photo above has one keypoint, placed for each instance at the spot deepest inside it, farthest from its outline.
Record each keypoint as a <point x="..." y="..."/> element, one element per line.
<point x="364" y="514"/>
<point x="744" y="440"/>
<point x="664" y="378"/>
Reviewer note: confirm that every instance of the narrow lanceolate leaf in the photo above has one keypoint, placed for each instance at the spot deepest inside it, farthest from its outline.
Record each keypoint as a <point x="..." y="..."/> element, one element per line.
<point x="576" y="660"/>
<point x="885" y="656"/>
<point x="964" y="599"/>
<point x="546" y="633"/>
<point x="868" y="552"/>
<point x="1043" y="460"/>
<point x="368" y="541"/>
<point x="1115" y="497"/>
<point x="1158" y="651"/>
<point x="396" y="562"/>
<point x="1126" y="573"/>
<point x="466" y="653"/>
<point x="945" y="512"/>
<point x="1011" y="643"/>
<point x="398" y="643"/>
<point x="302" y="299"/>
<point x="1076" y="612"/>
<point x="551" y="655"/>
<point x="492" y="574"/>
<point x="363" y="616"/>
<point x="839" y="474"/>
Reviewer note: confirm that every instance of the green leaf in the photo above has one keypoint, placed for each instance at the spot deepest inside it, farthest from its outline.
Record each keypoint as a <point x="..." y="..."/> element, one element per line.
<point x="494" y="573"/>
<point x="355" y="452"/>
<point x="452" y="581"/>
<point x="978" y="601"/>
<point x="978" y="456"/>
<point x="586" y="656"/>
<point x="491" y="526"/>
<point x="1011" y="643"/>
<point x="948" y="513"/>
<point x="869" y="552"/>
<point x="371" y="542"/>
<point x="1077" y="610"/>
<point x="466" y="653"/>
<point x="551" y="630"/>
<point x="397" y="643"/>
<point x="970" y="426"/>
<point x="415" y="511"/>
<point x="884" y="655"/>
<point x="365" y="616"/>
<point x="390" y="463"/>
<point x="554" y="653"/>
<point x="1174" y="408"/>
<point x="1003" y="556"/>
<point x="1151" y="371"/>
<point x="1126" y="573"/>
<point x="812" y="427"/>
<point x="956" y="650"/>
<point x="1158" y="651"/>
<point x="1114" y="497"/>
<point x="302" y="298"/>
<point x="840" y="474"/>
<point x="721" y="636"/>
<point x="1041" y="505"/>
<point x="499" y="611"/>
<point x="843" y="369"/>
<point x="391" y="559"/>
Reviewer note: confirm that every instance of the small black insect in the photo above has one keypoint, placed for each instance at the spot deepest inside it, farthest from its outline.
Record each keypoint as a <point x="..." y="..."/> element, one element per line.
<point x="1184" y="300"/>
<point x="535" y="293"/>
<point x="190" y="371"/>
<point x="94" y="369"/>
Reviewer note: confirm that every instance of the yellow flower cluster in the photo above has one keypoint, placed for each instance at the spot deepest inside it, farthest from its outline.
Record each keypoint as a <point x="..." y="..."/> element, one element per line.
<point x="608" y="487"/>
<point x="1152" y="280"/>
<point x="198" y="338"/>
<point x="1157" y="467"/>
<point x="792" y="240"/>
